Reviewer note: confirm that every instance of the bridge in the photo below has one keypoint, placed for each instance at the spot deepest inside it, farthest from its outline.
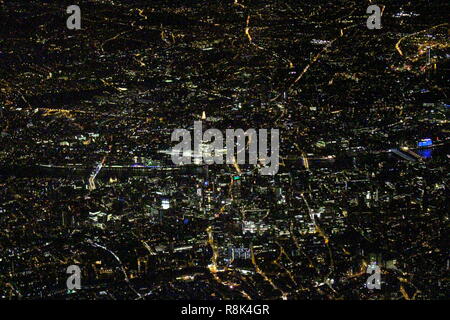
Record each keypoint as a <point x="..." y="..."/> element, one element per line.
<point x="402" y="155"/>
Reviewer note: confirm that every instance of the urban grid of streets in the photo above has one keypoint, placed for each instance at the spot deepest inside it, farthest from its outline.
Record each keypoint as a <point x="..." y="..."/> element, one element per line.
<point x="85" y="171"/>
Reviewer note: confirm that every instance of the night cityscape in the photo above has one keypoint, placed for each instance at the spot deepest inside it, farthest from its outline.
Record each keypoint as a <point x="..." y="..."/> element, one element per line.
<point x="360" y="176"/>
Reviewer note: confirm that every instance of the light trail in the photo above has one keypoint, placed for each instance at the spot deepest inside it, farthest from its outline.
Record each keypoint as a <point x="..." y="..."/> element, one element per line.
<point x="236" y="3"/>
<point x="299" y="247"/>
<point x="283" y="252"/>
<point x="113" y="38"/>
<point x="213" y="266"/>
<point x="126" y="278"/>
<point x="247" y="30"/>
<point x="397" y="45"/>
<point x="314" y="60"/>
<point x="262" y="274"/>
<point x="236" y="166"/>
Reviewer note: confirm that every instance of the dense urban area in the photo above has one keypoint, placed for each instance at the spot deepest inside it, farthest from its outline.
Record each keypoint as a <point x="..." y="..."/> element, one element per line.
<point x="86" y="176"/>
